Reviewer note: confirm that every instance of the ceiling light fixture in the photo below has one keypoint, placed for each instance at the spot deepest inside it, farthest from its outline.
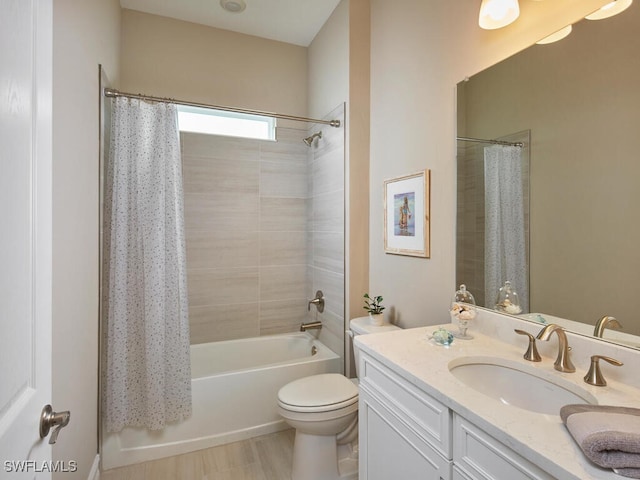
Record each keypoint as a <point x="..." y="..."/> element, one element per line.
<point x="554" y="37"/>
<point x="233" y="6"/>
<point x="498" y="13"/>
<point x="610" y="9"/>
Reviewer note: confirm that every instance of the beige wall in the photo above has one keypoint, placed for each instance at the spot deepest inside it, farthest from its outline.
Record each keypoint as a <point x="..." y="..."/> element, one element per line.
<point x="357" y="175"/>
<point x="85" y="34"/>
<point x="328" y="80"/>
<point x="182" y="60"/>
<point x="418" y="54"/>
<point x="577" y="96"/>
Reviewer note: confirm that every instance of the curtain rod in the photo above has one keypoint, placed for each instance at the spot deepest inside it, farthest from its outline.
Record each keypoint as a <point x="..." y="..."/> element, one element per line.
<point x="494" y="142"/>
<point x="110" y="92"/>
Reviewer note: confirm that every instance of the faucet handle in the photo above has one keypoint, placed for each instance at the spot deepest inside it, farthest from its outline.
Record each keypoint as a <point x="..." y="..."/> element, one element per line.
<point x="318" y="301"/>
<point x="532" y="351"/>
<point x="594" y="375"/>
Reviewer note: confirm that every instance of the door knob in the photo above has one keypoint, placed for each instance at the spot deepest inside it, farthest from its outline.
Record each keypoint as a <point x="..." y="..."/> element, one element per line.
<point x="56" y="420"/>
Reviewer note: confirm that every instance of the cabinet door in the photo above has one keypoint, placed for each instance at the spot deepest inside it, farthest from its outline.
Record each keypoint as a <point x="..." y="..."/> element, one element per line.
<point x="390" y="449"/>
<point x="459" y="474"/>
<point x="482" y="457"/>
<point x="428" y="417"/>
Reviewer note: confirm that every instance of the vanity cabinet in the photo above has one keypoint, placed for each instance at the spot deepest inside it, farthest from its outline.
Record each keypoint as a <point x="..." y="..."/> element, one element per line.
<point x="403" y="433"/>
<point x="407" y="434"/>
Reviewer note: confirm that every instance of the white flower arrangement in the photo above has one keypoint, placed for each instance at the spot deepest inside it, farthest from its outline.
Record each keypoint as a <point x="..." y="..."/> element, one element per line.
<point x="463" y="311"/>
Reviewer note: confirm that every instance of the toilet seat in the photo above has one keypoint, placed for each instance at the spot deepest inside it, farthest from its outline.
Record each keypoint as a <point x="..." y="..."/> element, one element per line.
<point x="319" y="393"/>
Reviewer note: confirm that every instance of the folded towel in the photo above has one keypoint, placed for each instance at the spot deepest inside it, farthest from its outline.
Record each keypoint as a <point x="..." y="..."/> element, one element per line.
<point x="628" y="472"/>
<point x="608" y="436"/>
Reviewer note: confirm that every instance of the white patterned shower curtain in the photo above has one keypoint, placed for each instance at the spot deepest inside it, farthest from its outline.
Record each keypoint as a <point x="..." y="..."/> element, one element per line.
<point x="147" y="380"/>
<point x="505" y="255"/>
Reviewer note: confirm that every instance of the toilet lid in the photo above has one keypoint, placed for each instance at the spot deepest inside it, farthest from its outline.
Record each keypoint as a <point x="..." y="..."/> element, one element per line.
<point x="328" y="389"/>
<point x="363" y="325"/>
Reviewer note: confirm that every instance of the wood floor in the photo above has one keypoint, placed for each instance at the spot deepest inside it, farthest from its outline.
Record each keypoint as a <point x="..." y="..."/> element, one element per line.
<point x="261" y="458"/>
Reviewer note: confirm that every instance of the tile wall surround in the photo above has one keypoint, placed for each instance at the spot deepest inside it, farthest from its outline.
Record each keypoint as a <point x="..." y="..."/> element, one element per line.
<point x="326" y="211"/>
<point x="470" y="219"/>
<point x="264" y="228"/>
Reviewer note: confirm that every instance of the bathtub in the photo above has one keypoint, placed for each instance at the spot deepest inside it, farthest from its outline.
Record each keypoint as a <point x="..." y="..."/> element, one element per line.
<point x="234" y="387"/>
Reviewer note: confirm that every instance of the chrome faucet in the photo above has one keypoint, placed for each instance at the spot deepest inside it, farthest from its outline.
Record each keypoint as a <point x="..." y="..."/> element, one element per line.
<point x="563" y="362"/>
<point x="604" y="322"/>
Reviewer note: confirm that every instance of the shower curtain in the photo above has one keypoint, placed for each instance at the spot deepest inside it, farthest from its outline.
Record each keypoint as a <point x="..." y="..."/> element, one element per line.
<point x="505" y="249"/>
<point x="147" y="380"/>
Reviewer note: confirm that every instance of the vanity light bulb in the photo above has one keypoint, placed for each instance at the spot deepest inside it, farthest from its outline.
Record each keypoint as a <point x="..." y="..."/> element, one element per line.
<point x="498" y="13"/>
<point x="610" y="9"/>
<point x="554" y="37"/>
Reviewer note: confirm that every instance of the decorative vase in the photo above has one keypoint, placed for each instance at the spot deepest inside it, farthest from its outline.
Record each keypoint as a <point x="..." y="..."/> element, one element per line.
<point x="463" y="310"/>
<point x="376" y="318"/>
<point x="508" y="301"/>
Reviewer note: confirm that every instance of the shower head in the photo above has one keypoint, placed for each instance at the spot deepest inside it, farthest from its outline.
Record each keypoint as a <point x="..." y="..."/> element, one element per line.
<point x="309" y="140"/>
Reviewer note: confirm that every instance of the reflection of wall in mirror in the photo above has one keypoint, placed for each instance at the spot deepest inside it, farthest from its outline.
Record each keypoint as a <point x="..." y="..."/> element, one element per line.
<point x="575" y="96"/>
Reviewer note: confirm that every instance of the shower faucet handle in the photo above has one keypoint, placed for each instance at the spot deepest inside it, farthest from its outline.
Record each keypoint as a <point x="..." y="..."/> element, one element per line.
<point x="318" y="302"/>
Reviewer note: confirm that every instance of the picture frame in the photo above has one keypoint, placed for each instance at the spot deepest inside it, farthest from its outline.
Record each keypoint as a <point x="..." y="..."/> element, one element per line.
<point x="407" y="226"/>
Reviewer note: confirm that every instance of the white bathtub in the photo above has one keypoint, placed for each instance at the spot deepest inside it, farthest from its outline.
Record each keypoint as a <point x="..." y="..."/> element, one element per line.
<point x="234" y="387"/>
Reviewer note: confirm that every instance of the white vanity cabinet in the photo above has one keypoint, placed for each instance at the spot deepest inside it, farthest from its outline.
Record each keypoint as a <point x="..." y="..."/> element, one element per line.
<point x="406" y="434"/>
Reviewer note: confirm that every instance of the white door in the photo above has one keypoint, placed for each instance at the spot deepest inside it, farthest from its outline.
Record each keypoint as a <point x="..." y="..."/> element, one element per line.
<point x="25" y="235"/>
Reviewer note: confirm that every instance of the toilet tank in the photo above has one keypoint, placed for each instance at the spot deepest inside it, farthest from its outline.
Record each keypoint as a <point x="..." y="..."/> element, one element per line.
<point x="363" y="326"/>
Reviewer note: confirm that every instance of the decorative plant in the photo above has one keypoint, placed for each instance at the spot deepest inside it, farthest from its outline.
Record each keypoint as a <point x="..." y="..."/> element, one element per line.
<point x="373" y="305"/>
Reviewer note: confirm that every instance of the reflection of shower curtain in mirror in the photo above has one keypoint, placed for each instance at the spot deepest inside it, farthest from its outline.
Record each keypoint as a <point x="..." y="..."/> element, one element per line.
<point x="505" y="248"/>
<point x="148" y="373"/>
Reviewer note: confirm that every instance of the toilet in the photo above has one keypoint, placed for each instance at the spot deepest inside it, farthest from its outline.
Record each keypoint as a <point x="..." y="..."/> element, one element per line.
<point x="323" y="409"/>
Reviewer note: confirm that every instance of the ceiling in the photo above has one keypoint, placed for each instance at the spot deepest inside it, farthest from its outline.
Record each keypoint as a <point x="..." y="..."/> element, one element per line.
<point x="291" y="21"/>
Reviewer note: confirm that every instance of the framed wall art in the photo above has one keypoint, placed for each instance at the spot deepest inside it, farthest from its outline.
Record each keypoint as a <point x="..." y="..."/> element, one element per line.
<point x="406" y="215"/>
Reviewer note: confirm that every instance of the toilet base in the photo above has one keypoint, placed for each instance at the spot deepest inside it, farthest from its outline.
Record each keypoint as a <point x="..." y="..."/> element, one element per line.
<point x="318" y="457"/>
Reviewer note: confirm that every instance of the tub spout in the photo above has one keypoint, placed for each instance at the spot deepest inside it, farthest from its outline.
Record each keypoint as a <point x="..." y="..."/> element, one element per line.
<point x="312" y="325"/>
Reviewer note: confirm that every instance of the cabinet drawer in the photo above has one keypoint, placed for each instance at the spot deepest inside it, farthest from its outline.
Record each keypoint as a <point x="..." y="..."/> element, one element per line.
<point x="483" y="457"/>
<point x="426" y="414"/>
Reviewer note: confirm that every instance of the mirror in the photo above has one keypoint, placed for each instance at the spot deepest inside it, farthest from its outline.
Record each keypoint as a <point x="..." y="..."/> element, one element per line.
<point x="579" y="100"/>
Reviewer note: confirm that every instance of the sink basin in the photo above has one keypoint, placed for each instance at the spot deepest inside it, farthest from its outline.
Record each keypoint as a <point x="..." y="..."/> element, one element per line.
<point x="519" y="385"/>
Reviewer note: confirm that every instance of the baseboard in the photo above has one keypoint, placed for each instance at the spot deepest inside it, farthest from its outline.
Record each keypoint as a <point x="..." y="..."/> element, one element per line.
<point x="94" y="474"/>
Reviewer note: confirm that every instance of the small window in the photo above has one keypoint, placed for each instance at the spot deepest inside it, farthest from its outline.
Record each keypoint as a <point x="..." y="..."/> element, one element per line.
<point x="219" y="122"/>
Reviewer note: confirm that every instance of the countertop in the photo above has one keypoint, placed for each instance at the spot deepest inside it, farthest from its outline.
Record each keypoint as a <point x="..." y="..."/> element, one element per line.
<point x="540" y="438"/>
